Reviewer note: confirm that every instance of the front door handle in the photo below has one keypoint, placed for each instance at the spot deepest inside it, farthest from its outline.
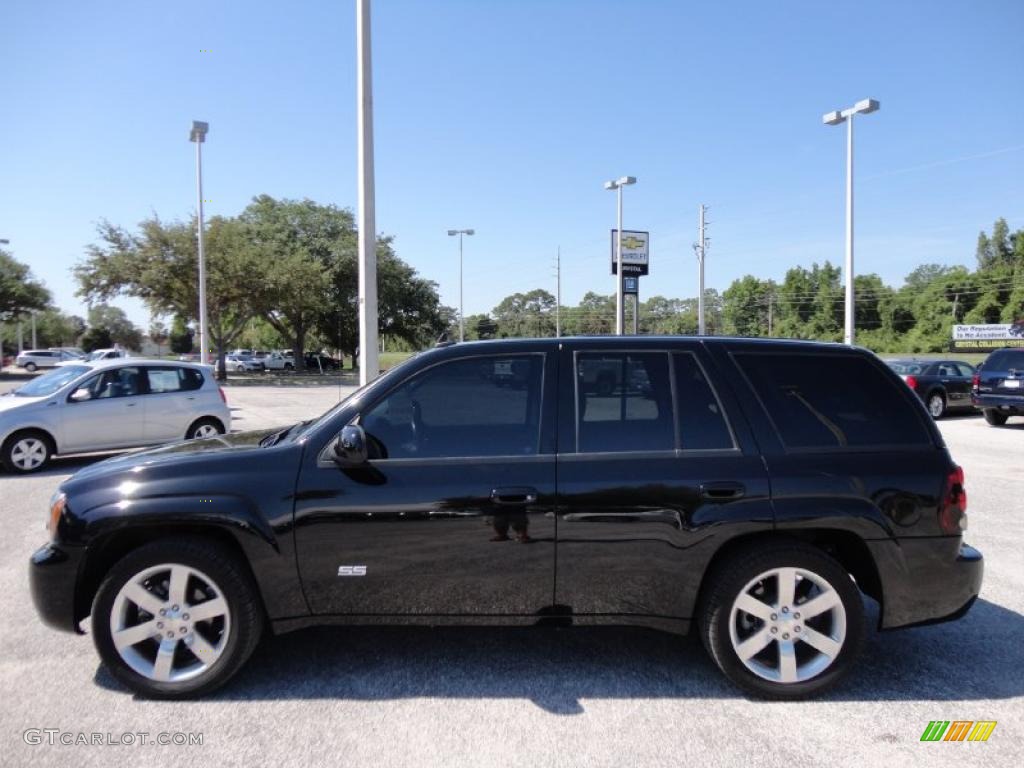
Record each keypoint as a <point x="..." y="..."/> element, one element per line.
<point x="722" y="491"/>
<point x="514" y="497"/>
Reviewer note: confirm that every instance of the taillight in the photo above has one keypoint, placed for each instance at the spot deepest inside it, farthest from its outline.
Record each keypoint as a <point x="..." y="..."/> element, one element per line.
<point x="911" y="382"/>
<point x="223" y="397"/>
<point x="976" y="381"/>
<point x="953" y="510"/>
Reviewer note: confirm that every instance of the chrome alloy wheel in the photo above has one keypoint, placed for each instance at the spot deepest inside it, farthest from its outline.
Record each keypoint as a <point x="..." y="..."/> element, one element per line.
<point x="936" y="406"/>
<point x="787" y="625"/>
<point x="205" y="430"/>
<point x="170" y="622"/>
<point x="28" y="453"/>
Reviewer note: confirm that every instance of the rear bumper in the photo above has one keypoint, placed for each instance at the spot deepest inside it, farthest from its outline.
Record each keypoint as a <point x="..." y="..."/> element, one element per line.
<point x="1005" y="403"/>
<point x="52" y="575"/>
<point x="927" y="580"/>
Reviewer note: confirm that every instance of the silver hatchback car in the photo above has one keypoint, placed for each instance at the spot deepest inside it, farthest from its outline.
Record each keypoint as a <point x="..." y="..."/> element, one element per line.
<point x="108" y="405"/>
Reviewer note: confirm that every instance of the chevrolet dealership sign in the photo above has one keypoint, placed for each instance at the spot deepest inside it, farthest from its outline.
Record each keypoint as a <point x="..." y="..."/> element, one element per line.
<point x="635" y="252"/>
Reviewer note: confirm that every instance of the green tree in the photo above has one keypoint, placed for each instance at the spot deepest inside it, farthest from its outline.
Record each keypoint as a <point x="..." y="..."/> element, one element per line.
<point x="96" y="337"/>
<point x="19" y="291"/>
<point x="530" y="314"/>
<point x="115" y="322"/>
<point x="746" y="306"/>
<point x="180" y="336"/>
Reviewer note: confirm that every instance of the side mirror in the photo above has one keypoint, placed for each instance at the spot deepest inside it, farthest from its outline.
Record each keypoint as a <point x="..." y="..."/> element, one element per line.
<point x="350" y="447"/>
<point x="80" y="395"/>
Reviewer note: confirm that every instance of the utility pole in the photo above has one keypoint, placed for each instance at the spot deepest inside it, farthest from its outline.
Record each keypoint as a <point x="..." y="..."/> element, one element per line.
<point x="700" y="247"/>
<point x="368" y="365"/>
<point x="956" y="300"/>
<point x="558" y="293"/>
<point x="35" y="344"/>
<point x="771" y="296"/>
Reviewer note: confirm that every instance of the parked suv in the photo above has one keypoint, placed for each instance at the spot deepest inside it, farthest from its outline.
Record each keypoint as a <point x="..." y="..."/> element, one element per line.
<point x="943" y="385"/>
<point x="34" y="359"/>
<point x="998" y="387"/>
<point x="751" y="489"/>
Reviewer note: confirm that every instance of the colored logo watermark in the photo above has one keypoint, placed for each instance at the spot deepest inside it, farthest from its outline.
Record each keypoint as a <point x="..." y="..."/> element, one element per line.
<point x="958" y="730"/>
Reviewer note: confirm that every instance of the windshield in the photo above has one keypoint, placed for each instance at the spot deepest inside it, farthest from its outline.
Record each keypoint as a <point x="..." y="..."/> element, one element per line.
<point x="50" y="382"/>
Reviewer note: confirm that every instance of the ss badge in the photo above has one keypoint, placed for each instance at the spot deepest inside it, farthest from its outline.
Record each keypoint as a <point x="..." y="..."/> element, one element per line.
<point x="351" y="570"/>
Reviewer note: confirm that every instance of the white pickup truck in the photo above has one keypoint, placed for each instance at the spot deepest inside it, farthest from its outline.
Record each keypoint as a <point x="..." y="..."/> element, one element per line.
<point x="276" y="361"/>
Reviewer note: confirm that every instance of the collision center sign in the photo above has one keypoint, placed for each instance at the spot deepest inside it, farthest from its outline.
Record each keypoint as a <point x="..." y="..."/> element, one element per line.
<point x="981" y="338"/>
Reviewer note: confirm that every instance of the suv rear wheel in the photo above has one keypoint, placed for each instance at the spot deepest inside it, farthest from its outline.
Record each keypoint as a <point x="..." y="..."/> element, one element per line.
<point x="176" y="618"/>
<point x="782" y="621"/>
<point x="994" y="417"/>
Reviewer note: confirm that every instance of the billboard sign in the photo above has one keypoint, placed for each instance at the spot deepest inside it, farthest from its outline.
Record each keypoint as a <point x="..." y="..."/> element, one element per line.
<point x="982" y="338"/>
<point x="635" y="252"/>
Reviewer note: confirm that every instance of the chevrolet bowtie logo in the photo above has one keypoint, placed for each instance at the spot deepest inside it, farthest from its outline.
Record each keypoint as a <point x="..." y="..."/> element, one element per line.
<point x="632" y="242"/>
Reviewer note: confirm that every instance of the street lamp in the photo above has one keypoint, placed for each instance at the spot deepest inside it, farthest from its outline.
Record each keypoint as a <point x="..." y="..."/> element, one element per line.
<point x="617" y="185"/>
<point x="462" y="315"/>
<point x="197" y="136"/>
<point x="864" y="107"/>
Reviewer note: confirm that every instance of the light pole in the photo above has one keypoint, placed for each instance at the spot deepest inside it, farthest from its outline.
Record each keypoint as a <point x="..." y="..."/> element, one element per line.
<point x="617" y="185"/>
<point x="368" y="365"/>
<point x="864" y="107"/>
<point x="462" y="315"/>
<point x="197" y="136"/>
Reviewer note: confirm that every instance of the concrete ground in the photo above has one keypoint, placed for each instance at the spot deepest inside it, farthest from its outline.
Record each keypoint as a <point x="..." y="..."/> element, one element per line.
<point x="551" y="697"/>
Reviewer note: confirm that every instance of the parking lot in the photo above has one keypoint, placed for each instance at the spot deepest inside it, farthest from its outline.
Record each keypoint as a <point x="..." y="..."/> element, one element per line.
<point x="388" y="696"/>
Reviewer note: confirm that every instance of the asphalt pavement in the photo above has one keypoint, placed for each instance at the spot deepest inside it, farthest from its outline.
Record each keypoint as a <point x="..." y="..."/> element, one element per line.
<point x="527" y="697"/>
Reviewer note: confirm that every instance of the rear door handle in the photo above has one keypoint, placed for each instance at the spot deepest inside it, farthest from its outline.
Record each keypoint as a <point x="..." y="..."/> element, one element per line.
<point x="514" y="497"/>
<point x="722" y="491"/>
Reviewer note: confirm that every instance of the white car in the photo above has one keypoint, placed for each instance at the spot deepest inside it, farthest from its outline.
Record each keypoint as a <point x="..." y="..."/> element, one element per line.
<point x="242" y="363"/>
<point x="107" y="354"/>
<point x="108" y="405"/>
<point x="34" y="359"/>
<point x="277" y="361"/>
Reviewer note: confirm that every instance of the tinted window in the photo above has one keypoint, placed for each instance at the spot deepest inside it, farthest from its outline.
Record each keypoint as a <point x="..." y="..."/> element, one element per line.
<point x="965" y="369"/>
<point x="702" y="424"/>
<point x="1004" y="360"/>
<point x="903" y="368"/>
<point x="173" y="380"/>
<point x="624" y="402"/>
<point x="828" y="401"/>
<point x="481" y="406"/>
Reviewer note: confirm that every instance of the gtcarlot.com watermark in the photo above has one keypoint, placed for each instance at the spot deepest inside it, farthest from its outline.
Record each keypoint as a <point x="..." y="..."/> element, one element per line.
<point x="58" y="737"/>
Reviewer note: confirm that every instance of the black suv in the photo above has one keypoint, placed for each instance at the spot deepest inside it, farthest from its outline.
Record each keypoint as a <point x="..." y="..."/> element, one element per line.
<point x="943" y="385"/>
<point x="752" y="489"/>
<point x="998" y="387"/>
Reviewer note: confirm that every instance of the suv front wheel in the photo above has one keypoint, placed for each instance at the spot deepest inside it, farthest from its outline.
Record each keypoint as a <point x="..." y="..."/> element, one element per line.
<point x="176" y="618"/>
<point x="783" y="621"/>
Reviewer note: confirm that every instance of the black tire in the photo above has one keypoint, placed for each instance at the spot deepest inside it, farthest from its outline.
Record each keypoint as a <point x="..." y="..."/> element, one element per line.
<point x="994" y="417"/>
<point x="936" y="404"/>
<point x="289" y="367"/>
<point x="199" y="425"/>
<point x="239" y="592"/>
<point x="729" y="579"/>
<point x="31" y="367"/>
<point x="14" y="449"/>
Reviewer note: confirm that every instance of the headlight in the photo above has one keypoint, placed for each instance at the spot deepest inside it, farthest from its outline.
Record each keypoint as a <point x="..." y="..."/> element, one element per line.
<point x="57" y="503"/>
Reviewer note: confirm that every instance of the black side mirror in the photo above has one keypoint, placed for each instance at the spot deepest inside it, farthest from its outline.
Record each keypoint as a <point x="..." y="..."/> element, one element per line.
<point x="350" y="447"/>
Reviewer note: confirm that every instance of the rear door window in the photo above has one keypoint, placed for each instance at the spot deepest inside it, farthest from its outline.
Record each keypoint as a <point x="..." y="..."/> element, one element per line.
<point x="702" y="422"/>
<point x="1004" y="360"/>
<point x="821" y="401"/>
<point x="173" y="379"/>
<point x="623" y="402"/>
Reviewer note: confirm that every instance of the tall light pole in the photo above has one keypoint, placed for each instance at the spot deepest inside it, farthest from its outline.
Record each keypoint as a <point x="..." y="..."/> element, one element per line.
<point x="620" y="300"/>
<point x="368" y="366"/>
<point x="197" y="136"/>
<point x="700" y="248"/>
<point x="462" y="315"/>
<point x="864" y="107"/>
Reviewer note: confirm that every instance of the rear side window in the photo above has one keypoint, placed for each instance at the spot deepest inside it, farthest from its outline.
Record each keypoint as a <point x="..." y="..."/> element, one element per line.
<point x="702" y="424"/>
<point x="173" y="379"/>
<point x="1004" y="360"/>
<point x="832" y="401"/>
<point x="623" y="402"/>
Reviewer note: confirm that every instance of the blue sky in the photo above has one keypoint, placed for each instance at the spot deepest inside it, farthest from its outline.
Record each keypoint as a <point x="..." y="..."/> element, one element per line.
<point x="508" y="115"/>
